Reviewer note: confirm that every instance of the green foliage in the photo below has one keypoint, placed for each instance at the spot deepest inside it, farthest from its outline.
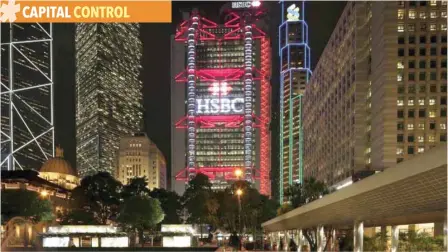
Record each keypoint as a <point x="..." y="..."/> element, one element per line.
<point x="136" y="186"/>
<point x="78" y="217"/>
<point x="27" y="204"/>
<point x="421" y="241"/>
<point x="100" y="195"/>
<point x="140" y="212"/>
<point x="301" y="194"/>
<point x="376" y="243"/>
<point x="284" y="208"/>
<point x="171" y="205"/>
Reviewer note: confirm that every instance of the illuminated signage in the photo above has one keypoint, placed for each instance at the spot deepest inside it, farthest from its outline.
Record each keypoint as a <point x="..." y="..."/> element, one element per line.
<point x="245" y="4"/>
<point x="220" y="106"/>
<point x="293" y="13"/>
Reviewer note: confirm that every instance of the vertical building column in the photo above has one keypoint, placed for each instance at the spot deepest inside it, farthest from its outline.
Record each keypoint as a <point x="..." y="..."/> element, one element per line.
<point x="358" y="236"/>
<point x="394" y="238"/>
<point x="299" y="240"/>
<point x="191" y="93"/>
<point x="320" y="238"/>
<point x="248" y="101"/>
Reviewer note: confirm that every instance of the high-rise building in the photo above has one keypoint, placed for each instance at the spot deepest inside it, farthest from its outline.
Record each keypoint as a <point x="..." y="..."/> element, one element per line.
<point x="139" y="157"/>
<point x="108" y="92"/>
<point x="221" y="98"/>
<point x="378" y="94"/>
<point x="295" y="72"/>
<point x="26" y="95"/>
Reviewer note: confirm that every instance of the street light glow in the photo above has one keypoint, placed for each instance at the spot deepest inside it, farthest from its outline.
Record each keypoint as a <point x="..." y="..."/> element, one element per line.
<point x="239" y="192"/>
<point x="44" y="193"/>
<point x="238" y="172"/>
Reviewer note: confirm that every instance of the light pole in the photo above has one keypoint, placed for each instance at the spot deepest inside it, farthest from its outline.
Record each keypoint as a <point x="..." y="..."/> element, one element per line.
<point x="239" y="192"/>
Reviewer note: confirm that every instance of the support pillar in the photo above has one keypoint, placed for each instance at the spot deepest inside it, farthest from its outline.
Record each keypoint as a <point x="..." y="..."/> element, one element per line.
<point x="320" y="238"/>
<point x="299" y="240"/>
<point x="394" y="238"/>
<point x="358" y="236"/>
<point x="285" y="241"/>
<point x="333" y="240"/>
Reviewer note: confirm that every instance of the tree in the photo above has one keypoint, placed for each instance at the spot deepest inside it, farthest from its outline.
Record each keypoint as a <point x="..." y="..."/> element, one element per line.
<point x="140" y="212"/>
<point x="200" y="201"/>
<point x="171" y="204"/>
<point x="301" y="194"/>
<point x="136" y="186"/>
<point x="284" y="208"/>
<point x="100" y="195"/>
<point x="27" y="204"/>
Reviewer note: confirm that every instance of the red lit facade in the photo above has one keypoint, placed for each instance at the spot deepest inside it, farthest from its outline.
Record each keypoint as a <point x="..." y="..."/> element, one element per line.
<point x="226" y="81"/>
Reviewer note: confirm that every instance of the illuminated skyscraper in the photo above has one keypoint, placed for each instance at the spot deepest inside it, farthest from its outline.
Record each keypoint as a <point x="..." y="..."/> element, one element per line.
<point x="108" y="92"/>
<point x="378" y="95"/>
<point x="295" y="72"/>
<point x="221" y="101"/>
<point x="27" y="133"/>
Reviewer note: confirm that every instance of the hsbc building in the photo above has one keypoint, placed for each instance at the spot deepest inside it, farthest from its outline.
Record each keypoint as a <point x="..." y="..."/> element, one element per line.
<point x="220" y="99"/>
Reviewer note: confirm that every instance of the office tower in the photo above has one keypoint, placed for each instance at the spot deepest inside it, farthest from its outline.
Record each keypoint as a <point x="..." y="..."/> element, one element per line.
<point x="378" y="94"/>
<point x="27" y="133"/>
<point x="108" y="92"/>
<point x="221" y="99"/>
<point x="295" y="72"/>
<point x="139" y="157"/>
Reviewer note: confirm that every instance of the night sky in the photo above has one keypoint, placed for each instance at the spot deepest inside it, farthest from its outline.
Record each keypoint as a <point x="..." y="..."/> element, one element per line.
<point x="320" y="16"/>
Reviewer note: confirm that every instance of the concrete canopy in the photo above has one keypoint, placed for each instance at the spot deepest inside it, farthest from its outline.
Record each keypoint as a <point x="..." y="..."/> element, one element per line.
<point x="414" y="191"/>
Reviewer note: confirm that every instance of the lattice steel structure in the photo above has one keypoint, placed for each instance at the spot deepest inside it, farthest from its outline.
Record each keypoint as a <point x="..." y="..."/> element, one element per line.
<point x="295" y="72"/>
<point x="26" y="95"/>
<point x="227" y="98"/>
<point x="108" y="92"/>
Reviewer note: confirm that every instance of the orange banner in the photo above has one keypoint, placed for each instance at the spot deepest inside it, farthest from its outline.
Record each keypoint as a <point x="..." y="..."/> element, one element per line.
<point x="132" y="11"/>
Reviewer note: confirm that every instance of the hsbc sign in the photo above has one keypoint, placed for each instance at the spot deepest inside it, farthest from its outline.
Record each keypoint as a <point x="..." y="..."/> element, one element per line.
<point x="220" y="106"/>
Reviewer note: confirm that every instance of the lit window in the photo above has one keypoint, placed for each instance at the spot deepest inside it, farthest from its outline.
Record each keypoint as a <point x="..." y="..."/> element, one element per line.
<point x="410" y="126"/>
<point x="421" y="139"/>
<point x="443" y="14"/>
<point x="411" y="101"/>
<point x="432" y="139"/>
<point x="368" y="150"/>
<point x="421" y="149"/>
<point x="443" y="126"/>
<point x="423" y="15"/>
<point x="421" y="126"/>
<point x="432" y="101"/>
<point x="400" y="28"/>
<point x="400" y="14"/>
<point x="432" y="114"/>
<point x="411" y="27"/>
<point x="433" y="27"/>
<point x="433" y="14"/>
<point x="400" y="65"/>
<point x="443" y="27"/>
<point x="433" y="2"/>
<point x="399" y="151"/>
<point x="412" y="14"/>
<point x="399" y="77"/>
<point x="400" y="102"/>
<point x="421" y="102"/>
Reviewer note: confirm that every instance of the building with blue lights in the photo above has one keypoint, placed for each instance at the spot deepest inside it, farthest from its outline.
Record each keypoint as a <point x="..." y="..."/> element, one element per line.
<point x="295" y="72"/>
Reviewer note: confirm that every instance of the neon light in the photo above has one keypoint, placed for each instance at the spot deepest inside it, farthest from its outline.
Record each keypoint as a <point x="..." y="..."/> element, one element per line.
<point x="291" y="133"/>
<point x="233" y="106"/>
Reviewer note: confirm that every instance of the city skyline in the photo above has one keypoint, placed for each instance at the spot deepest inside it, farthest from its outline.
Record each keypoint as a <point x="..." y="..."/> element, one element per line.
<point x="154" y="75"/>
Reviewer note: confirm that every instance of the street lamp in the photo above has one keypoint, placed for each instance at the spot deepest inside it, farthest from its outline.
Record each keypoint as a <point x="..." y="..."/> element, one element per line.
<point x="239" y="192"/>
<point x="44" y="193"/>
<point x="238" y="173"/>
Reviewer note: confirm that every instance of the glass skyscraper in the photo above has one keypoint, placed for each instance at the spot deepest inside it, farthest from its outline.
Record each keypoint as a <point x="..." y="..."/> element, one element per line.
<point x="295" y="72"/>
<point x="26" y="128"/>
<point x="108" y="92"/>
